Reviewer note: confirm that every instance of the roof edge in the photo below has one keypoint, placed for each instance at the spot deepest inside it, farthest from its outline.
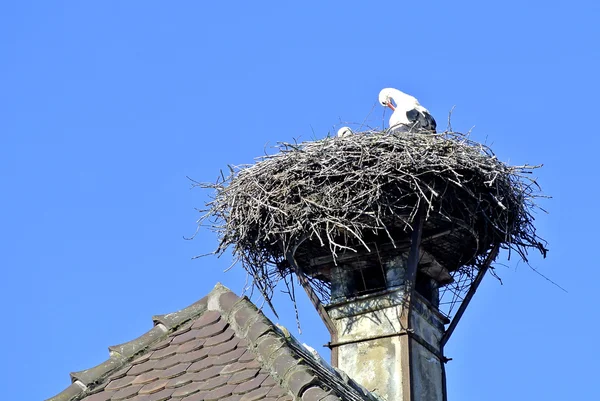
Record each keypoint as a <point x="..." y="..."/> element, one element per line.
<point x="278" y="351"/>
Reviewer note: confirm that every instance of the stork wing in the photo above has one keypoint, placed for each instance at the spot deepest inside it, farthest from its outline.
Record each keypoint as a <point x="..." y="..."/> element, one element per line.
<point x="421" y="119"/>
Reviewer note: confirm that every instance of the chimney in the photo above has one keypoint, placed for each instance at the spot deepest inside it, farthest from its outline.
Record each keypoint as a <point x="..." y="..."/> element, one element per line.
<point x="389" y="341"/>
<point x="384" y="319"/>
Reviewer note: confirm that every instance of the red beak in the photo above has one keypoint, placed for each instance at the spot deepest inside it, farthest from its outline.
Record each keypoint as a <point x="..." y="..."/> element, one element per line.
<point x="391" y="106"/>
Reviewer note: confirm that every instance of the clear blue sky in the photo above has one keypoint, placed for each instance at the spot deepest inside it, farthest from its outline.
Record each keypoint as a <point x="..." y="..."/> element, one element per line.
<point x="107" y="106"/>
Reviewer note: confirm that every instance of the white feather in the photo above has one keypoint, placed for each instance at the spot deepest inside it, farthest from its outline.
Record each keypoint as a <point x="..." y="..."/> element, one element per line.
<point x="404" y="103"/>
<point x="344" y="131"/>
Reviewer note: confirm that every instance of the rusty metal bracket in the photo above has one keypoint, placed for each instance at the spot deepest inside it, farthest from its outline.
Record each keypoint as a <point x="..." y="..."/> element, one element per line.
<point x="463" y="306"/>
<point x="314" y="299"/>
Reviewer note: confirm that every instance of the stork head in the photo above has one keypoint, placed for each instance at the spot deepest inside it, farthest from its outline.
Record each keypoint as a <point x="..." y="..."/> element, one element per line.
<point x="344" y="131"/>
<point x="385" y="98"/>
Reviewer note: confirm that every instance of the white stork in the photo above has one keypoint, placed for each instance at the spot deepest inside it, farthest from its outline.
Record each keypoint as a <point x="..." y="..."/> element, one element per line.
<point x="408" y="113"/>
<point x="344" y="131"/>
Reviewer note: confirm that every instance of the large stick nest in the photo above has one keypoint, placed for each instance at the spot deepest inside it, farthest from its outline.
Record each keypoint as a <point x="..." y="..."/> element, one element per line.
<point x="341" y="194"/>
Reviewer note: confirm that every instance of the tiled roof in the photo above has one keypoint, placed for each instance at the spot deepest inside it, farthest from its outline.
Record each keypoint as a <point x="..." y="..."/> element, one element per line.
<point x="220" y="348"/>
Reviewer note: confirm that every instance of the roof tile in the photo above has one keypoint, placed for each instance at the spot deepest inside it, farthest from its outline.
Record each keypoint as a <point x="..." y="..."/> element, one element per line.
<point x="234" y="368"/>
<point x="195" y="356"/>
<point x="207" y="319"/>
<point x="164" y="353"/>
<point x="208" y="373"/>
<point x="172" y="320"/>
<point x="219" y="338"/>
<point x="219" y="393"/>
<point x="141" y="368"/>
<point x="299" y="379"/>
<point x="183" y="328"/>
<point x="189" y="388"/>
<point x="269" y="381"/>
<point x="314" y="394"/>
<point x="181" y="380"/>
<point x="257" y="329"/>
<point x="190" y="346"/>
<point x="227" y="300"/>
<point x="243" y="316"/>
<point x="146" y="378"/>
<point x="161" y="344"/>
<point x="215" y="382"/>
<point x="67" y="394"/>
<point x="233" y="397"/>
<point x="243" y="376"/>
<point x="141" y="359"/>
<point x="253" y="364"/>
<point x="277" y="391"/>
<point x="175" y="371"/>
<point x="267" y="345"/>
<point x="229" y="357"/>
<point x="247" y="356"/>
<point x="249" y="385"/>
<point x="126" y="392"/>
<point x="261" y="378"/>
<point x="284" y="362"/>
<point x="162" y="395"/>
<point x="133" y="347"/>
<point x="101" y="396"/>
<point x="166" y="363"/>
<point x="185" y="337"/>
<point x="92" y="375"/>
<point x="255" y="394"/>
<point x="223" y="348"/>
<point x="101" y="387"/>
<point x="196" y="396"/>
<point x="118" y="384"/>
<point x="212" y="329"/>
<point x="153" y="387"/>
<point x="119" y="373"/>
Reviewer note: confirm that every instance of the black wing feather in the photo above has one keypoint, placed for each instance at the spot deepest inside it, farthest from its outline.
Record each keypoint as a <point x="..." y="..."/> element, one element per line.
<point x="421" y="120"/>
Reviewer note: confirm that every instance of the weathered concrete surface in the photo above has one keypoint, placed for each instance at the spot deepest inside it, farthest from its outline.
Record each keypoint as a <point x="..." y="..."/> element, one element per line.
<point x="378" y="347"/>
<point x="376" y="365"/>
<point x="427" y="374"/>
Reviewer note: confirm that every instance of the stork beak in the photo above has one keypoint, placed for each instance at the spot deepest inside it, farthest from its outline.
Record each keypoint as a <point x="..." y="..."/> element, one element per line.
<point x="391" y="106"/>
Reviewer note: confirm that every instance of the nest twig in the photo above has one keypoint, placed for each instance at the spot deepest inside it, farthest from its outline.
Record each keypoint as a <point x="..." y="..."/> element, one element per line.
<point x="339" y="190"/>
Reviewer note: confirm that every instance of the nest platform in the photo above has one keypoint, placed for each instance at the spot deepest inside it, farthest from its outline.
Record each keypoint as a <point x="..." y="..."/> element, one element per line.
<point x="343" y="197"/>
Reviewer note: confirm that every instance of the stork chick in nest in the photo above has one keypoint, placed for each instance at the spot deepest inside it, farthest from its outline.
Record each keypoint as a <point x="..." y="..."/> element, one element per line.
<point x="344" y="131"/>
<point x="408" y="113"/>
